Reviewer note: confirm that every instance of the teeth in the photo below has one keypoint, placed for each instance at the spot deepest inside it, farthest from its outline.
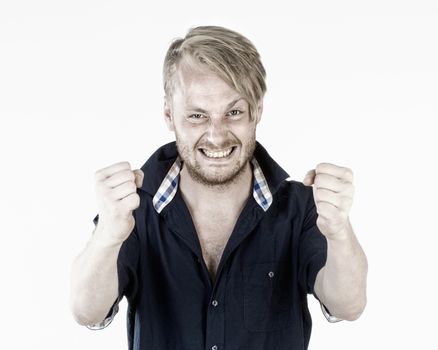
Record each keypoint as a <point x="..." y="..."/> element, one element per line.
<point x="220" y="154"/>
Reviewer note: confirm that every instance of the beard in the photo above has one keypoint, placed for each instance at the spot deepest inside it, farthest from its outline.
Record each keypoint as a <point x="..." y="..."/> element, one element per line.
<point x="217" y="178"/>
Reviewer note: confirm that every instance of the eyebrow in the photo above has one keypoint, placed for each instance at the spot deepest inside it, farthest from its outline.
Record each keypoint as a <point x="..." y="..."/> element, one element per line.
<point x="200" y="110"/>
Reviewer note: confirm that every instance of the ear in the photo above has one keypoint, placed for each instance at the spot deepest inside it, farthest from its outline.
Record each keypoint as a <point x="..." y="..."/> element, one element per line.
<point x="259" y="110"/>
<point x="168" y="115"/>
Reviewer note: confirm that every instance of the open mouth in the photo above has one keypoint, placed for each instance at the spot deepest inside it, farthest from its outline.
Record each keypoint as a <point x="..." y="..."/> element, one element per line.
<point x="217" y="154"/>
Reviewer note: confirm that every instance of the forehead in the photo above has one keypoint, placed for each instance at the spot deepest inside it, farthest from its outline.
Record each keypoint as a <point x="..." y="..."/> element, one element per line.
<point x="196" y="84"/>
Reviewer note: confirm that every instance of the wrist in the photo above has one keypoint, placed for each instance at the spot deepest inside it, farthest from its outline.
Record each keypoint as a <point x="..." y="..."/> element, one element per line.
<point x="344" y="235"/>
<point x="102" y="238"/>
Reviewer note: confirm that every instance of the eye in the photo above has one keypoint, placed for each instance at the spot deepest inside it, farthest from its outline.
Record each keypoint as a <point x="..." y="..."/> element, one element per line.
<point x="196" y="118"/>
<point x="234" y="113"/>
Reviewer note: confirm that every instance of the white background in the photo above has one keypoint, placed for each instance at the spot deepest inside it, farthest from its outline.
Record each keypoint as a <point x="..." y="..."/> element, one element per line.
<point x="352" y="83"/>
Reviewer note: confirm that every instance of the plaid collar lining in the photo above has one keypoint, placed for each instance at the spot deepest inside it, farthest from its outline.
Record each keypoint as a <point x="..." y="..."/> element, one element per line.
<point x="169" y="186"/>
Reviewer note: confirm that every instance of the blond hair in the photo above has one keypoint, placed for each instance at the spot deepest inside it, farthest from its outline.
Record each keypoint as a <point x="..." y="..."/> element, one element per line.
<point x="225" y="52"/>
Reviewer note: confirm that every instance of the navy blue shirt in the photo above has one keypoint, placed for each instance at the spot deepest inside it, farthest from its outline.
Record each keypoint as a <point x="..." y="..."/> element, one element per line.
<point x="269" y="265"/>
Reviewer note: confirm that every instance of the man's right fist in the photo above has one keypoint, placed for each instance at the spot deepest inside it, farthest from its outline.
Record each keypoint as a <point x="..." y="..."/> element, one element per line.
<point x="116" y="192"/>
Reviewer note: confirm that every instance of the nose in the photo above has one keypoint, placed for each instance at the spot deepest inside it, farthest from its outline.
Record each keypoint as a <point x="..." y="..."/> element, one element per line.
<point x="217" y="131"/>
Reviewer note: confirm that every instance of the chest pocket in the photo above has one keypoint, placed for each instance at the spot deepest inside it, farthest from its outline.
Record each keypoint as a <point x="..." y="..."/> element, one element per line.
<point x="268" y="296"/>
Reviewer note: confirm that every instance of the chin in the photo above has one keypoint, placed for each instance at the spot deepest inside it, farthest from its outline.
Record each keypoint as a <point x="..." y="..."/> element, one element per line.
<point x="216" y="169"/>
<point x="215" y="177"/>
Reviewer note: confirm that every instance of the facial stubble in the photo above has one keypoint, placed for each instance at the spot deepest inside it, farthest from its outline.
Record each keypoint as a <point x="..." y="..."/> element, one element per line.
<point x="197" y="174"/>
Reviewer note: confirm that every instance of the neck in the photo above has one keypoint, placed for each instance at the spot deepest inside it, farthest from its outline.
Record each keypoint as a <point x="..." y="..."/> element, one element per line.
<point x="232" y="196"/>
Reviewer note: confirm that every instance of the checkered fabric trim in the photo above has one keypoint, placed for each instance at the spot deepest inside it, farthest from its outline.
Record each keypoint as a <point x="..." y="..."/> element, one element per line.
<point x="169" y="186"/>
<point x="261" y="192"/>
<point x="329" y="317"/>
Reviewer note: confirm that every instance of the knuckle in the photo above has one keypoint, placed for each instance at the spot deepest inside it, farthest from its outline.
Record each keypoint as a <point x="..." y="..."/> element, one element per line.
<point x="131" y="175"/>
<point x="128" y="175"/>
<point x="317" y="180"/>
<point x="348" y="173"/>
<point x="126" y="165"/>
<point x="133" y="201"/>
<point x="319" y="167"/>
<point x="98" y="174"/>
<point x="127" y="189"/>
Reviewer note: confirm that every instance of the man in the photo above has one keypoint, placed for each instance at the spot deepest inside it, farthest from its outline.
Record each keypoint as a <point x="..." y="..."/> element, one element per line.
<point x="210" y="243"/>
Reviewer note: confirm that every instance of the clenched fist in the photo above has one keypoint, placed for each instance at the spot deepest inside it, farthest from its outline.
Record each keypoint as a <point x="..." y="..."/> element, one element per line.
<point x="333" y="192"/>
<point x="116" y="192"/>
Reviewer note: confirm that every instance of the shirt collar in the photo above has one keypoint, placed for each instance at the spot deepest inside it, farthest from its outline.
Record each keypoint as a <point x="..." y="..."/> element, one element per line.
<point x="164" y="167"/>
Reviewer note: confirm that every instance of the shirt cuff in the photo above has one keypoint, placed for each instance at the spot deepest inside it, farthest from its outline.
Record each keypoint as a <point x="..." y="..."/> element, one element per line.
<point x="328" y="316"/>
<point x="105" y="323"/>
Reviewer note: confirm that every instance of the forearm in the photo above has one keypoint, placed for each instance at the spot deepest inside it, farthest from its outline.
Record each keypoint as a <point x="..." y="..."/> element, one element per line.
<point x="94" y="280"/>
<point x="341" y="284"/>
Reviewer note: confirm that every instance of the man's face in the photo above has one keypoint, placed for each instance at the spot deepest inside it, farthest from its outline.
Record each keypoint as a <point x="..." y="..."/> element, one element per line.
<point x="214" y="134"/>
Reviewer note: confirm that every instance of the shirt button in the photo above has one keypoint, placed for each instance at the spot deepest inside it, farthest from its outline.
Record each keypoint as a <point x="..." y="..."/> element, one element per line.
<point x="214" y="347"/>
<point x="214" y="303"/>
<point x="271" y="274"/>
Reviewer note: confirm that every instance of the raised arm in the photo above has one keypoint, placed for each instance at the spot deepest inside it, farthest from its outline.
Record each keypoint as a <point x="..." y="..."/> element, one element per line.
<point x="341" y="284"/>
<point x="94" y="278"/>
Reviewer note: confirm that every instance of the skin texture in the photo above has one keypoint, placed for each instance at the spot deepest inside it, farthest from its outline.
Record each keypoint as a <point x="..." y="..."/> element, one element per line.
<point x="210" y="187"/>
<point x="215" y="191"/>
<point x="206" y="113"/>
<point x="116" y="194"/>
<point x="94" y="281"/>
<point x="341" y="283"/>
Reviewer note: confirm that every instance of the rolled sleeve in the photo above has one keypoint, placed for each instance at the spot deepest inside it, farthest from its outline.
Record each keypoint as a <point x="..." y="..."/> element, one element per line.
<point x="108" y="319"/>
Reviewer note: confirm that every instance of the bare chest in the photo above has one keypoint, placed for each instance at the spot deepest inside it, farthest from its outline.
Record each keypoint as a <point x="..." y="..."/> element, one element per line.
<point x="213" y="233"/>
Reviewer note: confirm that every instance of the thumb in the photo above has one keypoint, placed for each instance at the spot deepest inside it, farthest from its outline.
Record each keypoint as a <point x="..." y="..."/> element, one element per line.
<point x="309" y="178"/>
<point x="139" y="175"/>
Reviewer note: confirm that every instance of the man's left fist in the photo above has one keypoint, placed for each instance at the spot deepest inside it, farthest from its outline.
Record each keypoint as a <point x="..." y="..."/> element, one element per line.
<point x="333" y="192"/>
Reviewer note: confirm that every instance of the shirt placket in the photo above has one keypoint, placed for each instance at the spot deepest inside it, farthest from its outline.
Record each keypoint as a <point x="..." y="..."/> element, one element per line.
<point x="215" y="332"/>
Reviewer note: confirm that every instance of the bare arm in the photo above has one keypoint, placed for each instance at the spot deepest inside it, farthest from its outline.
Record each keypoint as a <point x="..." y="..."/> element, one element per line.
<point x="341" y="284"/>
<point x="94" y="277"/>
<point x="94" y="280"/>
